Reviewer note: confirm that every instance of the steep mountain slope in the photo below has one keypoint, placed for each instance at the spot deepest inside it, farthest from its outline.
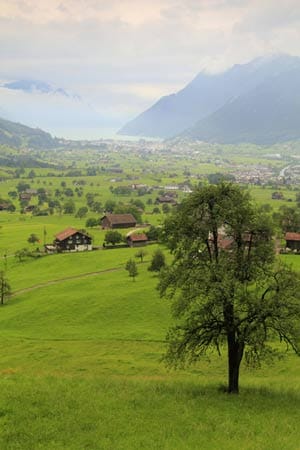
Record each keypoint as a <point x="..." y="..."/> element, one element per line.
<point x="204" y="95"/>
<point x="267" y="114"/>
<point x="18" y="135"/>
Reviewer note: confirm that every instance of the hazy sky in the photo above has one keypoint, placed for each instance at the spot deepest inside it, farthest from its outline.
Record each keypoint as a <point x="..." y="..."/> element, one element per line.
<point x="124" y="54"/>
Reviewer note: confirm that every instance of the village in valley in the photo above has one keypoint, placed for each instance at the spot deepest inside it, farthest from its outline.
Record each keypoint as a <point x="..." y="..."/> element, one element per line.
<point x="131" y="186"/>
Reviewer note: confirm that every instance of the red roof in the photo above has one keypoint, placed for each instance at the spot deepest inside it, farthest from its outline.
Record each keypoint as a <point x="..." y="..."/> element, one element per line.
<point x="292" y="236"/>
<point x="138" y="237"/>
<point x="67" y="233"/>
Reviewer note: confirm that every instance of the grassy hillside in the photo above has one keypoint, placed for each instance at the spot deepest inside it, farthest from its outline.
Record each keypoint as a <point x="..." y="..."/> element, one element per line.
<point x="18" y="135"/>
<point x="81" y="368"/>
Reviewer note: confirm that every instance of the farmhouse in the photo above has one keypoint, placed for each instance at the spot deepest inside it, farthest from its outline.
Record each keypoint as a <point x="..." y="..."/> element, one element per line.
<point x="293" y="241"/>
<point x="118" y="221"/>
<point x="136" y="240"/>
<point x="72" y="240"/>
<point x="4" y="206"/>
<point x="25" y="196"/>
<point x="165" y="199"/>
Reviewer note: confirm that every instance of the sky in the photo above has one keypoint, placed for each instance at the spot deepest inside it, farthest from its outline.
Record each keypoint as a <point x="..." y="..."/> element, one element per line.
<point x="121" y="56"/>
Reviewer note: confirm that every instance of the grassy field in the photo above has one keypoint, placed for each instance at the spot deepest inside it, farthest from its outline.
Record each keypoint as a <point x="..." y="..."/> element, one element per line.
<point x="82" y="344"/>
<point x="81" y="368"/>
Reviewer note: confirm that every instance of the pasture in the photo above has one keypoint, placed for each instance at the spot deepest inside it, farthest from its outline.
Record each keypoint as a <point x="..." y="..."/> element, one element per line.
<point x="81" y="368"/>
<point x="82" y="343"/>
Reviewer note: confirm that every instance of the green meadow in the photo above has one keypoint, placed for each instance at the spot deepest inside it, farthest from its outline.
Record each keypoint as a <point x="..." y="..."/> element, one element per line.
<point x="82" y="343"/>
<point x="81" y="368"/>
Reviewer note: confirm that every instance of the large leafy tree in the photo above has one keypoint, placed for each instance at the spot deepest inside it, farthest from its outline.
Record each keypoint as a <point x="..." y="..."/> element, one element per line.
<point x="227" y="287"/>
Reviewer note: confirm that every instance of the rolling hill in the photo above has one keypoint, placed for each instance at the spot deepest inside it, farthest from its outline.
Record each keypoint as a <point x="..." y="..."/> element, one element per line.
<point x="17" y="135"/>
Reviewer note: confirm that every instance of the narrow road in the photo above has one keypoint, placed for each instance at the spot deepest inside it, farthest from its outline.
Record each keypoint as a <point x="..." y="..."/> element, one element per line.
<point x="62" y="280"/>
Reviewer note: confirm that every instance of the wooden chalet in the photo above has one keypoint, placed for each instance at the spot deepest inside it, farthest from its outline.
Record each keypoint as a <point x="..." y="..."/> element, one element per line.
<point x="293" y="241"/>
<point x="118" y="221"/>
<point x="25" y="196"/>
<point x="72" y="240"/>
<point x="137" y="240"/>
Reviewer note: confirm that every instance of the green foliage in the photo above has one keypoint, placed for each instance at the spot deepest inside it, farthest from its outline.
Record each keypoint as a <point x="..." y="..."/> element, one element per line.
<point x="33" y="239"/>
<point x="69" y="207"/>
<point x="153" y="233"/>
<point x="110" y="206"/>
<point x="158" y="261"/>
<point x="113" y="237"/>
<point x="141" y="253"/>
<point x="92" y="222"/>
<point x="131" y="267"/>
<point x="5" y="289"/>
<point x="166" y="208"/>
<point x="22" y="186"/>
<point x="288" y="218"/>
<point x="138" y="203"/>
<point x="82" y="212"/>
<point x="121" y="190"/>
<point x="224" y="283"/>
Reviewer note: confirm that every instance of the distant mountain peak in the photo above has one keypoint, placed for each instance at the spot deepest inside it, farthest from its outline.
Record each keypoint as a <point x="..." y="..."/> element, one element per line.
<point x="37" y="86"/>
<point x="209" y="93"/>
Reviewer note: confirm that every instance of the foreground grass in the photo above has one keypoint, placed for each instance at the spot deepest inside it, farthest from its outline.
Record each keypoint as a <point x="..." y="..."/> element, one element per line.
<point x="80" y="368"/>
<point x="108" y="414"/>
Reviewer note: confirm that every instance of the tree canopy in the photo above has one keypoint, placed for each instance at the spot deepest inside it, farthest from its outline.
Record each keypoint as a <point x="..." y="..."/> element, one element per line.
<point x="227" y="287"/>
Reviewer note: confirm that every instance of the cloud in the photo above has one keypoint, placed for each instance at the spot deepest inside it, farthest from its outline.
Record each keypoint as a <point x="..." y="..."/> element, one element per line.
<point x="123" y="54"/>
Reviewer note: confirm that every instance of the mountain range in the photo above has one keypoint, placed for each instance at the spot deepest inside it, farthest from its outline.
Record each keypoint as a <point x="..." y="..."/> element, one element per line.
<point x="31" y="86"/>
<point x="40" y="104"/>
<point x="256" y="102"/>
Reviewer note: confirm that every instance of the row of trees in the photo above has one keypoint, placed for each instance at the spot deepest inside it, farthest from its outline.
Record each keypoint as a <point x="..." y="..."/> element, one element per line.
<point x="158" y="262"/>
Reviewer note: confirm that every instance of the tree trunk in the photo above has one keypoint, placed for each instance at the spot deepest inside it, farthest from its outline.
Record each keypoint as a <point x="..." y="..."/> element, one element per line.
<point x="235" y="355"/>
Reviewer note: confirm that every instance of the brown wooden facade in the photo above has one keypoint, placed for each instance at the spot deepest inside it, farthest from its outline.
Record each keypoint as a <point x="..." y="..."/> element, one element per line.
<point x="72" y="240"/>
<point x="110" y="221"/>
<point x="293" y="241"/>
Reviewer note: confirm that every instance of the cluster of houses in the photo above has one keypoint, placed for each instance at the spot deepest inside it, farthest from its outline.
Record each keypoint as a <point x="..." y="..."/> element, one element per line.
<point x="73" y="240"/>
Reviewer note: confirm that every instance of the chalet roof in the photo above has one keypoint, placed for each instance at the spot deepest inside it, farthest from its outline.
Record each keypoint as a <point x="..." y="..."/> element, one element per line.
<point x="67" y="233"/>
<point x="138" y="237"/>
<point x="291" y="236"/>
<point x="117" y="219"/>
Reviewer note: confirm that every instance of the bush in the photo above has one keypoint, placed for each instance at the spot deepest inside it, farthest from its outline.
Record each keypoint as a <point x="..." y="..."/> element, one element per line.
<point x="158" y="261"/>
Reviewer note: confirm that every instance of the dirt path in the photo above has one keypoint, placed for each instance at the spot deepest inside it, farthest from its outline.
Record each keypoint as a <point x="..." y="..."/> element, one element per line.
<point x="62" y="280"/>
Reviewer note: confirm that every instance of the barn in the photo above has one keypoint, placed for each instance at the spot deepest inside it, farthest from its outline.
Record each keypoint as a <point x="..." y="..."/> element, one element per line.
<point x="110" y="221"/>
<point x="293" y="241"/>
<point x="137" y="240"/>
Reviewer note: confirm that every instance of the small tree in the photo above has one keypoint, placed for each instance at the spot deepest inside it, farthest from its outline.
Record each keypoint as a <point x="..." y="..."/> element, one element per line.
<point x="113" y="237"/>
<point x="166" y="208"/>
<point x="82" y="212"/>
<point x="131" y="268"/>
<point x="91" y="222"/>
<point x="33" y="239"/>
<point x="5" y="289"/>
<point x="158" y="261"/>
<point x="69" y="207"/>
<point x="141" y="253"/>
<point x="22" y="254"/>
